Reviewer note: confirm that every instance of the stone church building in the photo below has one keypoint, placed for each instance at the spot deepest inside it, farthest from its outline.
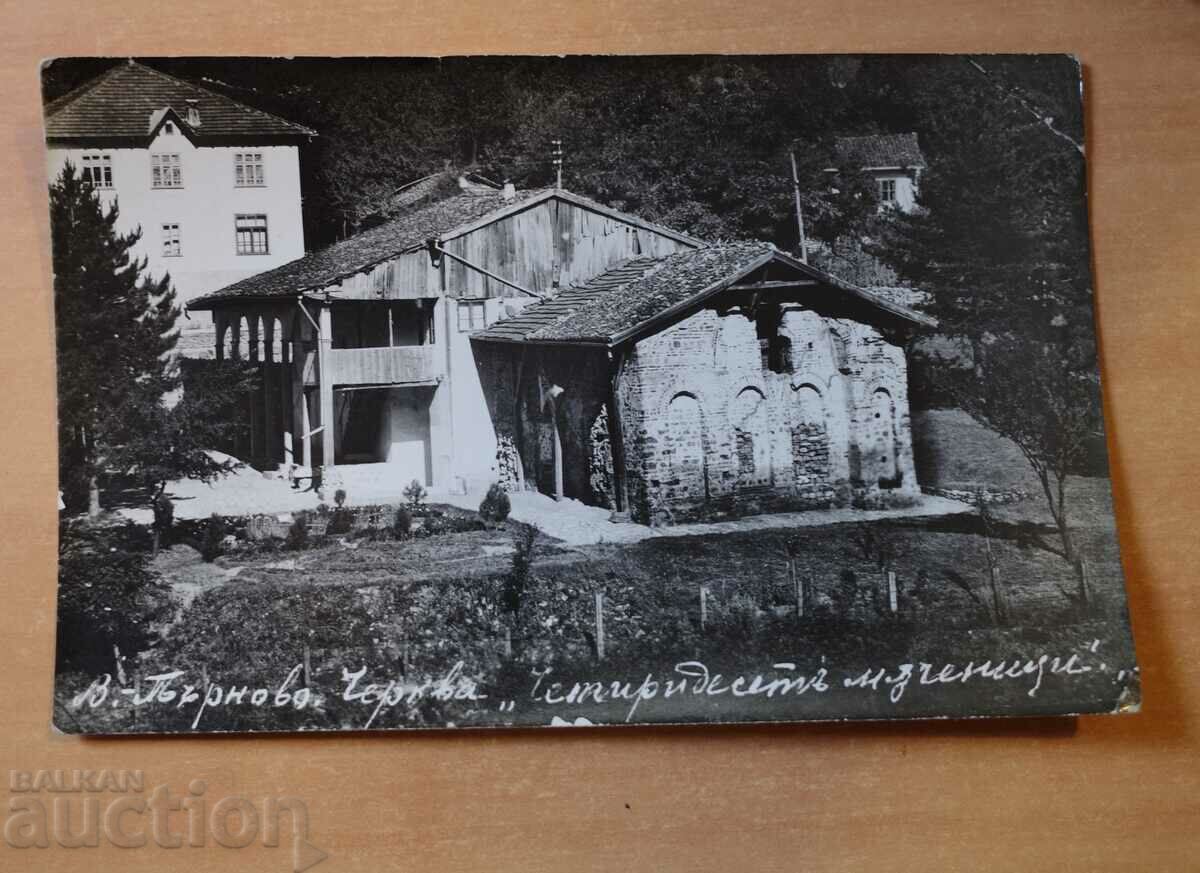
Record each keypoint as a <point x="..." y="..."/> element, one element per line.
<point x="723" y="379"/>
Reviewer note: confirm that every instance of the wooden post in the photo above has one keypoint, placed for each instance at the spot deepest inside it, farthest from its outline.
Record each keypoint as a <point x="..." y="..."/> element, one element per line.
<point x="798" y="585"/>
<point x="324" y="349"/>
<point x="891" y="583"/>
<point x="600" y="625"/>
<point x="703" y="606"/>
<point x="269" y="371"/>
<point x="558" y="449"/>
<point x="507" y="642"/>
<point x="307" y="666"/>
<point x="1085" y="586"/>
<point x="120" y="667"/>
<point x="301" y="453"/>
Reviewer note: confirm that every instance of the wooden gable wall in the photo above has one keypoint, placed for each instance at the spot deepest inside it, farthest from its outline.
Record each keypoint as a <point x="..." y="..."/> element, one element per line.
<point x="552" y="239"/>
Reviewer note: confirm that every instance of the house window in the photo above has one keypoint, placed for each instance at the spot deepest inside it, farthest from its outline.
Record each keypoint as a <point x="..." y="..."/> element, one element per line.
<point x="97" y="169"/>
<point x="887" y="191"/>
<point x="248" y="170"/>
<point x="170" y="241"/>
<point x="472" y="315"/>
<point x="165" y="171"/>
<point x="251" y="232"/>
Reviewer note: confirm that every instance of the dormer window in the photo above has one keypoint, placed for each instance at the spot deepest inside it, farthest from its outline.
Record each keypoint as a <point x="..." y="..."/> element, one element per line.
<point x="169" y="128"/>
<point x="887" y="192"/>
<point x="166" y="171"/>
<point x="97" y="170"/>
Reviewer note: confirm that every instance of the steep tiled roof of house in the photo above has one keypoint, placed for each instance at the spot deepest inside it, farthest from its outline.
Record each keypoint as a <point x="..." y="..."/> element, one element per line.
<point x="407" y="231"/>
<point x="633" y="294"/>
<point x="120" y="103"/>
<point x="880" y="150"/>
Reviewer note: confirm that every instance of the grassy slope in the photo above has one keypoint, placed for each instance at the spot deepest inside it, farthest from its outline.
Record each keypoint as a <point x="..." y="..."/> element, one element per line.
<point x="951" y="450"/>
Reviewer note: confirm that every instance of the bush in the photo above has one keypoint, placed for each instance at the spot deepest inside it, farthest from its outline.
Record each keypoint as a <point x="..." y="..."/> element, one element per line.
<point x="524" y="539"/>
<point x="107" y="595"/>
<point x="415" y="494"/>
<point x="402" y="523"/>
<point x="341" y="521"/>
<point x="164" y="518"/>
<point x="297" y="535"/>
<point x="164" y="513"/>
<point x="495" y="505"/>
<point x="214" y="538"/>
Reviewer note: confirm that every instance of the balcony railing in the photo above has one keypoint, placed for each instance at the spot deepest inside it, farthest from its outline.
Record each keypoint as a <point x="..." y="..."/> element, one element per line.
<point x="397" y="365"/>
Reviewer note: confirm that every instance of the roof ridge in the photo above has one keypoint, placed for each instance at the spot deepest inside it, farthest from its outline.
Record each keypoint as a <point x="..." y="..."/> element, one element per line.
<point x="202" y="89"/>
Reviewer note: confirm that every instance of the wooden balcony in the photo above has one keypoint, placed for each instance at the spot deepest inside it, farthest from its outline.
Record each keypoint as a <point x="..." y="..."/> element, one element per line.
<point x="396" y="365"/>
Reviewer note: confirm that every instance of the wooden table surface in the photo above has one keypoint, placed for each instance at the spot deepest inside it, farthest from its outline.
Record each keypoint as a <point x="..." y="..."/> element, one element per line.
<point x="1095" y="794"/>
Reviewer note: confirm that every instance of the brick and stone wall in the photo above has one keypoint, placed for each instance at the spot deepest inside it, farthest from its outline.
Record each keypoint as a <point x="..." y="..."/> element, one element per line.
<point x="727" y="412"/>
<point x="726" y="415"/>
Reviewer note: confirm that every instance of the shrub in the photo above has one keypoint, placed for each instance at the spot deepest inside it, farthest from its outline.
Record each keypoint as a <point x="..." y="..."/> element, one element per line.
<point x="164" y="517"/>
<point x="341" y="521"/>
<point x="322" y="509"/>
<point x="339" y="497"/>
<point x="214" y="538"/>
<point x="402" y="523"/>
<point x="107" y="595"/>
<point x="297" y="535"/>
<point x="524" y="539"/>
<point x="415" y="494"/>
<point x="495" y="505"/>
<point x="164" y="513"/>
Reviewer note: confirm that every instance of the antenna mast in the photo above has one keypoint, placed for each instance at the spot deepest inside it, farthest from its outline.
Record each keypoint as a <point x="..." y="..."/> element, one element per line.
<point x="557" y="156"/>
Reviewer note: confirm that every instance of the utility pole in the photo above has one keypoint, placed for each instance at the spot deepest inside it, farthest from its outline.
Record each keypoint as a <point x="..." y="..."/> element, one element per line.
<point x="799" y="209"/>
<point x="557" y="155"/>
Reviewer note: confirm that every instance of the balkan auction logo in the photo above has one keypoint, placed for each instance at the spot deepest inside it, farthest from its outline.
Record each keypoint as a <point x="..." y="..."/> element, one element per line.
<point x="77" y="809"/>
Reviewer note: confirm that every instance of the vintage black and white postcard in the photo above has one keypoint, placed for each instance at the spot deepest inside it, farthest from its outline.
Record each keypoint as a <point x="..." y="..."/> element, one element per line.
<point x="482" y="392"/>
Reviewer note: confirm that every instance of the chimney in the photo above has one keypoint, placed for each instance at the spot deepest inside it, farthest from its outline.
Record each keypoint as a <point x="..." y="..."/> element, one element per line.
<point x="509" y="191"/>
<point x="193" y="112"/>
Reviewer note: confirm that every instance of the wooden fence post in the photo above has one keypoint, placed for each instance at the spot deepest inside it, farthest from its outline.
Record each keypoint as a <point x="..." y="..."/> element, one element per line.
<point x="798" y="586"/>
<point x="703" y="606"/>
<point x="1085" y="587"/>
<point x="600" y="625"/>
<point x="307" y="667"/>
<point x="891" y="581"/>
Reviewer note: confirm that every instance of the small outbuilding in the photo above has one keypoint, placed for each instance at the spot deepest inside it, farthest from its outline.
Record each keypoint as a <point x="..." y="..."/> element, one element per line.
<point x="725" y="379"/>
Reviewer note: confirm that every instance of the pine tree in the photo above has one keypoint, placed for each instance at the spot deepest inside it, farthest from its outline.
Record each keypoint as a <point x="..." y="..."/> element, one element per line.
<point x="116" y="335"/>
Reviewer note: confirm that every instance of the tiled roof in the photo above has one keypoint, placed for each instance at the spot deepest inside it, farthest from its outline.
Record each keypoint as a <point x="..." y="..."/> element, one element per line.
<point x="119" y="104"/>
<point x="628" y="297"/>
<point x="364" y="250"/>
<point x="880" y="150"/>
